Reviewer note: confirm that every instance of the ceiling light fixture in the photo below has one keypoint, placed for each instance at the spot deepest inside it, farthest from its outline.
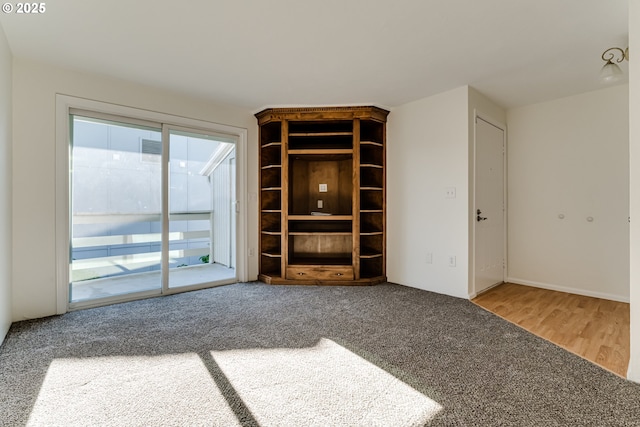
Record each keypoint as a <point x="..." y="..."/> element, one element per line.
<point x="611" y="72"/>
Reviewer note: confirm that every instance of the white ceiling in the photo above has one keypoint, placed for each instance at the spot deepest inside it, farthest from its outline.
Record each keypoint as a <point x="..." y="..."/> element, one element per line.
<point x="257" y="53"/>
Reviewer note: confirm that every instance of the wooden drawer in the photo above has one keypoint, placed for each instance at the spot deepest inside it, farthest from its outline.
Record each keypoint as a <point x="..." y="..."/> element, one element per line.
<point x="317" y="272"/>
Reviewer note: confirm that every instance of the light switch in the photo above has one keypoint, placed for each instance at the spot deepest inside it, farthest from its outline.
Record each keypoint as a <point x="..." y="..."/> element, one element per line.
<point x="323" y="188"/>
<point x="320" y="204"/>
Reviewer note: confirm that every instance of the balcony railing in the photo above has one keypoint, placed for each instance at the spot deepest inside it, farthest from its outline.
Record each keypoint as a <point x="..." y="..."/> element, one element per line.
<point x="88" y="268"/>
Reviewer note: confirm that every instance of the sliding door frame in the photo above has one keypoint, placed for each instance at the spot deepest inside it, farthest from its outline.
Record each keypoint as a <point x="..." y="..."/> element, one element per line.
<point x="64" y="106"/>
<point x="166" y="208"/>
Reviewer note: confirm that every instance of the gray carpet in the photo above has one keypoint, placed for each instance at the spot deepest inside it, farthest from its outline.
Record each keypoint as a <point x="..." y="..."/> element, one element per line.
<point x="252" y="354"/>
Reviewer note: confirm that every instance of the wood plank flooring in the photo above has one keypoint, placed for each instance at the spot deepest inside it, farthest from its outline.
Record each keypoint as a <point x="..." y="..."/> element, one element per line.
<point x="593" y="328"/>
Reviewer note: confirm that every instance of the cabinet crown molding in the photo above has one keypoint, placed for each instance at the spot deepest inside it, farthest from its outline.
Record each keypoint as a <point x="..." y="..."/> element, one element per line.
<point x="322" y="113"/>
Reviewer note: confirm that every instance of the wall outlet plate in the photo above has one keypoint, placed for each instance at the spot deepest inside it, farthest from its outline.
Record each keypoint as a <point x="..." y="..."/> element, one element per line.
<point x="323" y="188"/>
<point x="450" y="192"/>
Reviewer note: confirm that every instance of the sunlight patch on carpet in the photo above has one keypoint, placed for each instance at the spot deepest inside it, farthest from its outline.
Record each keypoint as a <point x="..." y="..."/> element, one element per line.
<point x="173" y="389"/>
<point x="325" y="385"/>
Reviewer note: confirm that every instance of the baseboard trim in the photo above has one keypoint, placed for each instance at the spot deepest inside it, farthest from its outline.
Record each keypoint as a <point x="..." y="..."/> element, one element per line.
<point x="569" y="290"/>
<point x="633" y="372"/>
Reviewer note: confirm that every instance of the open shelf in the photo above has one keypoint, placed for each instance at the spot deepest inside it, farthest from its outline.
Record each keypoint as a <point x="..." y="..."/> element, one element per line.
<point x="271" y="155"/>
<point x="371" y="200"/>
<point x="271" y="265"/>
<point x="271" y="177"/>
<point x="321" y="217"/>
<point x="306" y="173"/>
<point x="329" y="259"/>
<point x="371" y="178"/>
<point x="270" y="133"/>
<point x="372" y="130"/>
<point x="272" y="145"/>
<point x="319" y="226"/>
<point x="271" y="200"/>
<point x="272" y="255"/>
<point x="330" y="247"/>
<point x="371" y="222"/>
<point x="271" y="221"/>
<point x="321" y="142"/>
<point x="320" y="126"/>
<point x="371" y="154"/>
<point x="271" y="244"/>
<point x="371" y="246"/>
<point x="322" y="153"/>
<point x="371" y="255"/>
<point x="371" y="267"/>
<point x="320" y="135"/>
<point x="371" y="143"/>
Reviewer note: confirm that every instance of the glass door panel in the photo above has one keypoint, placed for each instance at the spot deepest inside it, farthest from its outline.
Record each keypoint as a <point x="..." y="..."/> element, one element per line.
<point x="115" y="208"/>
<point x="201" y="196"/>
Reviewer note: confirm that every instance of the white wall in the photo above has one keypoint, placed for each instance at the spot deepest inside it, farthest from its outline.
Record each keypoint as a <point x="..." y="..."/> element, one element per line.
<point x="5" y="186"/>
<point x="428" y="151"/>
<point x="634" y="154"/>
<point x="569" y="157"/>
<point x="34" y="88"/>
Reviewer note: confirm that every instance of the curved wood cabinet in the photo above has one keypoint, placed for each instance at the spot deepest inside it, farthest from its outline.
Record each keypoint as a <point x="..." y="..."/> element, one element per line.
<point x="322" y="195"/>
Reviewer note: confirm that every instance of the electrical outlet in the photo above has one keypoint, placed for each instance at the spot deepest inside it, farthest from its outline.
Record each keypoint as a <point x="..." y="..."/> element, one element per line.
<point x="429" y="258"/>
<point x="320" y="204"/>
<point x="452" y="261"/>
<point x="323" y="188"/>
<point x="252" y="251"/>
<point x="450" y="193"/>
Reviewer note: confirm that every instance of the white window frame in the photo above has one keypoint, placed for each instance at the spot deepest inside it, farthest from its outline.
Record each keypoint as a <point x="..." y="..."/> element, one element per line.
<point x="64" y="105"/>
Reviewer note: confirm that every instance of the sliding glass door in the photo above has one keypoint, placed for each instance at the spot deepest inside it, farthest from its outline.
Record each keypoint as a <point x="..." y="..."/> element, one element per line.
<point x="200" y="208"/>
<point x="152" y="208"/>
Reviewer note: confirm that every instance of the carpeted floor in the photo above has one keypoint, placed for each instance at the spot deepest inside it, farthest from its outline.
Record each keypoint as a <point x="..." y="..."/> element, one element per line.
<point x="252" y="354"/>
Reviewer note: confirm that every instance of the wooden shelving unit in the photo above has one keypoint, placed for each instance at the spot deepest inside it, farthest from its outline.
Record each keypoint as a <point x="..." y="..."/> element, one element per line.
<point x="322" y="195"/>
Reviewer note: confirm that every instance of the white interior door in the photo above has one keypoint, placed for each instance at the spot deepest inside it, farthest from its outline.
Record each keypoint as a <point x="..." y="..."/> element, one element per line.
<point x="490" y="206"/>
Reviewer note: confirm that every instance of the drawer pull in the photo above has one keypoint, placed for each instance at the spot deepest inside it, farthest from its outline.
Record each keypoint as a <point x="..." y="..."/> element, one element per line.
<point x="300" y="274"/>
<point x="338" y="274"/>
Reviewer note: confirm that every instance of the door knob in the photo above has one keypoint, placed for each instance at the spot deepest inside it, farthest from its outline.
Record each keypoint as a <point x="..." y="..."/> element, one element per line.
<point x="478" y="217"/>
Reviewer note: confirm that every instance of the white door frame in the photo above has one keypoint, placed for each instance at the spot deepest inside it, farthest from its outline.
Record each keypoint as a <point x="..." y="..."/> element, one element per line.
<point x="62" y="185"/>
<point x="472" y="213"/>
